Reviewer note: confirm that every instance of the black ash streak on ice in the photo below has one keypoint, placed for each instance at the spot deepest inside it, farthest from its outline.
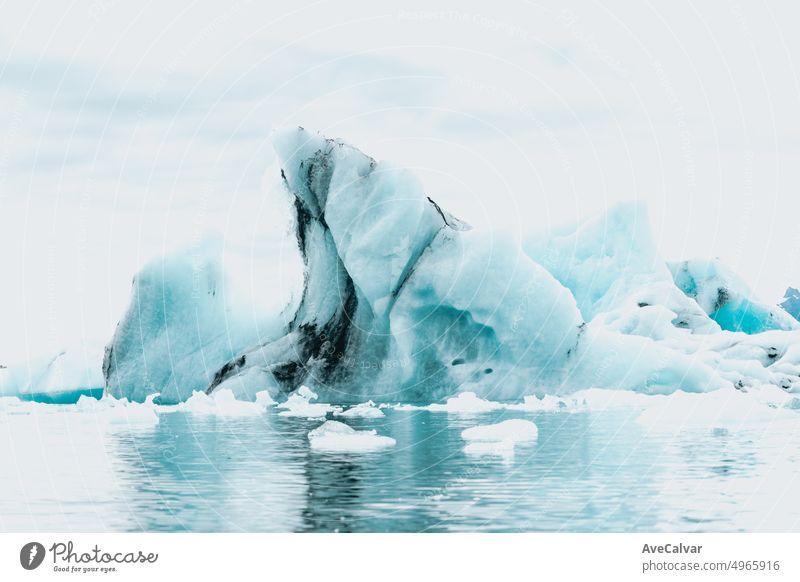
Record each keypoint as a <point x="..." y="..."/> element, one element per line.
<point x="318" y="347"/>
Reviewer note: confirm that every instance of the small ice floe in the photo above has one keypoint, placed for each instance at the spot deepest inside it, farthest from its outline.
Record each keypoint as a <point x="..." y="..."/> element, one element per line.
<point x="594" y="399"/>
<point x="118" y="411"/>
<point x="728" y="409"/>
<point x="299" y="404"/>
<point x="463" y="403"/>
<point x="334" y="436"/>
<point x="106" y="410"/>
<point x="221" y="403"/>
<point x="363" y="410"/>
<point x="513" y="430"/>
<point x="499" y="439"/>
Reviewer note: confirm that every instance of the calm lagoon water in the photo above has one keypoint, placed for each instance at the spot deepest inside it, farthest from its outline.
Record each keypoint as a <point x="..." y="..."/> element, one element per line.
<point x="67" y="470"/>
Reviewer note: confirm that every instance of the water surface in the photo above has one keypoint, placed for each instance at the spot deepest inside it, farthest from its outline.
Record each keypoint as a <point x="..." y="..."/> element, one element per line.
<point x="588" y="471"/>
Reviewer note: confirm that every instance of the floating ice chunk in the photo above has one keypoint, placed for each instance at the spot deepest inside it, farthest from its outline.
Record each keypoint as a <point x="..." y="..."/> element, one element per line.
<point x="252" y="382"/>
<point x="465" y="403"/>
<point x="306" y="393"/>
<point x="119" y="411"/>
<point x="499" y="439"/>
<point x="364" y="410"/>
<point x="263" y="399"/>
<point x="513" y="430"/>
<point x="334" y="436"/>
<point x="730" y="409"/>
<point x="222" y="403"/>
<point x="299" y="405"/>
<point x="593" y="399"/>
<point x="106" y="411"/>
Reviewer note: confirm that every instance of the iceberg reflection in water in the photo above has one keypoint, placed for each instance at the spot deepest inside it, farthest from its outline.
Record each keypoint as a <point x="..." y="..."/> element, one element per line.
<point x="70" y="468"/>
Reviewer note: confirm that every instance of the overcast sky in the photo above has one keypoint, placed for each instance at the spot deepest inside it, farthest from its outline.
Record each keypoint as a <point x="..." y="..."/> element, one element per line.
<point x="131" y="128"/>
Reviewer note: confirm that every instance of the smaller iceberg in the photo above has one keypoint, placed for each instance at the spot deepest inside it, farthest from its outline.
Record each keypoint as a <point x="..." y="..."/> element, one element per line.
<point x="120" y="412"/>
<point x="514" y="430"/>
<point x="106" y="412"/>
<point x="364" y="410"/>
<point x="299" y="405"/>
<point x="463" y="403"/>
<point x="186" y="319"/>
<point x="223" y="403"/>
<point x="60" y="378"/>
<point x="727" y="299"/>
<point x="334" y="436"/>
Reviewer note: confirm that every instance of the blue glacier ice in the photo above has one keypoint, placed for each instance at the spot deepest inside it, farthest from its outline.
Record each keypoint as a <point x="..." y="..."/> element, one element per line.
<point x="402" y="301"/>
<point x="183" y="323"/>
<point x="58" y="378"/>
<point x="727" y="299"/>
<point x="791" y="302"/>
<point x="611" y="265"/>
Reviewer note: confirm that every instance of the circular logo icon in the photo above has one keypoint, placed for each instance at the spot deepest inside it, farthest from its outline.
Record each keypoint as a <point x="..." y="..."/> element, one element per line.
<point x="31" y="555"/>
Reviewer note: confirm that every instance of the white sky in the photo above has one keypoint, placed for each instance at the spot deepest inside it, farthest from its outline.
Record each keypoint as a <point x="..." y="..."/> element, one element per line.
<point x="130" y="128"/>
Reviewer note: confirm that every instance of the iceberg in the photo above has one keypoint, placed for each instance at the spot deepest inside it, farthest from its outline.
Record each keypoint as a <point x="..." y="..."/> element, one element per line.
<point x="514" y="430"/>
<point x="462" y="403"/>
<point x="300" y="404"/>
<point x="499" y="439"/>
<point x="404" y="302"/>
<point x="105" y="412"/>
<point x="182" y="325"/>
<point x="223" y="403"/>
<point x="727" y="299"/>
<point x="363" y="410"/>
<point x="61" y="378"/>
<point x="612" y="267"/>
<point x="401" y="299"/>
<point x="337" y="437"/>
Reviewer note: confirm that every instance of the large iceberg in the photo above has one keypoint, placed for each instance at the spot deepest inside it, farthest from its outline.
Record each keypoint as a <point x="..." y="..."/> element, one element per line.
<point x="404" y="302"/>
